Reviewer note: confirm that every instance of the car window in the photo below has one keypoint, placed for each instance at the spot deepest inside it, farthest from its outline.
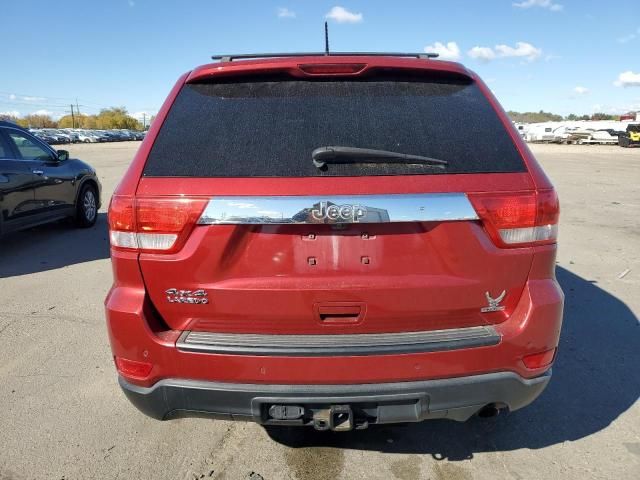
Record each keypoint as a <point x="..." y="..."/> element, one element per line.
<point x="5" y="152"/>
<point x="29" y="149"/>
<point x="269" y="129"/>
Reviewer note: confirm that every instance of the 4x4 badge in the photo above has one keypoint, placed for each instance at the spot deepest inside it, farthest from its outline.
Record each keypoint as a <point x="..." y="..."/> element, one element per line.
<point x="186" y="296"/>
<point x="494" y="303"/>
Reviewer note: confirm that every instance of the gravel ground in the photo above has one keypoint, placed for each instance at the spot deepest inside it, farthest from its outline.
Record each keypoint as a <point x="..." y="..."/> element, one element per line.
<point x="65" y="417"/>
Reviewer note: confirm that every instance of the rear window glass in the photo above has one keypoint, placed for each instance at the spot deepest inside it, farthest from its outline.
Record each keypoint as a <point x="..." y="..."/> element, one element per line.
<point x="270" y="128"/>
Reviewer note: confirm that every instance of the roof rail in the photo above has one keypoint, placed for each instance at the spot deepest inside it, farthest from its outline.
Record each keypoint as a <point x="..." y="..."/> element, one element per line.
<point x="245" y="56"/>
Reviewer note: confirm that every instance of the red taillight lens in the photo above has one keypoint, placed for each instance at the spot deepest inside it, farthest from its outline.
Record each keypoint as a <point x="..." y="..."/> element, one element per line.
<point x="153" y="224"/>
<point x="121" y="215"/>
<point x="133" y="368"/>
<point x="519" y="219"/>
<point x="539" y="360"/>
<point x="332" y="68"/>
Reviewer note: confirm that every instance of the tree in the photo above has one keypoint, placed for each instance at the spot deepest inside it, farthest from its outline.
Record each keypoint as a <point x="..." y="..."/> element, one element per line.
<point x="66" y="122"/>
<point x="108" y="118"/>
<point x="117" y="117"/>
<point x="9" y="117"/>
<point x="534" y="117"/>
<point x="603" y="116"/>
<point x="37" y="121"/>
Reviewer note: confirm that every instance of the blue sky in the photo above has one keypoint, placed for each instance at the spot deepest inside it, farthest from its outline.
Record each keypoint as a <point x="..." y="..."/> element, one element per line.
<point x="563" y="56"/>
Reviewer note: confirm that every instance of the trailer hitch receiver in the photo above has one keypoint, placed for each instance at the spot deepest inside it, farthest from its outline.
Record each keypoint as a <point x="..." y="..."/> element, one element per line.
<point x="338" y="418"/>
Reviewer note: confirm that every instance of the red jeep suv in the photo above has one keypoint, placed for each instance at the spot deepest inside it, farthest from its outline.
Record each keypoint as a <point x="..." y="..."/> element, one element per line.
<point x="334" y="241"/>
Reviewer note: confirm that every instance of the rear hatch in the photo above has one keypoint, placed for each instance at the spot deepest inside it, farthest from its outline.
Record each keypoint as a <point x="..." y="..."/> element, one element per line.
<point x="275" y="244"/>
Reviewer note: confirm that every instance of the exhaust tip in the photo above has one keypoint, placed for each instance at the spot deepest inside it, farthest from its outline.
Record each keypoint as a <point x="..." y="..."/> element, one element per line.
<point x="489" y="411"/>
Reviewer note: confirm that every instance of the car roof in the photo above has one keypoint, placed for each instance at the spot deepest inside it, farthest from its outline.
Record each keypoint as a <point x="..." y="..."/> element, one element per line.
<point x="5" y="123"/>
<point x="290" y="64"/>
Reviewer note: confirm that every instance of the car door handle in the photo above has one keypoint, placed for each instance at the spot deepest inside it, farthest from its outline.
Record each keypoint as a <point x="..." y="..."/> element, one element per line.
<point x="38" y="172"/>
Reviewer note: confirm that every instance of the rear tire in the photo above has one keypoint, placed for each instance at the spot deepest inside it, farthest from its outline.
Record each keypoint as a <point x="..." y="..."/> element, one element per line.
<point x="623" y="141"/>
<point x="87" y="207"/>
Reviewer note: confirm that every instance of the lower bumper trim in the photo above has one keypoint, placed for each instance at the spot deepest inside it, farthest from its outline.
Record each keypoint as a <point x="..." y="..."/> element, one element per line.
<point x="454" y="398"/>
<point x="338" y="345"/>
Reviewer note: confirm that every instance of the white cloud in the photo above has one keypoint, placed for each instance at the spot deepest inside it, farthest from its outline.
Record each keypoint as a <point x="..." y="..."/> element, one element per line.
<point x="284" y="12"/>
<point x="548" y="4"/>
<point x="483" y="54"/>
<point x="628" y="79"/>
<point x="10" y="113"/>
<point x="630" y="37"/>
<point x="450" y="51"/>
<point x="581" y="90"/>
<point x="242" y="205"/>
<point x="627" y="38"/>
<point x="342" y="15"/>
<point x="143" y="116"/>
<point x="32" y="99"/>
<point x="521" y="50"/>
<point x="12" y="97"/>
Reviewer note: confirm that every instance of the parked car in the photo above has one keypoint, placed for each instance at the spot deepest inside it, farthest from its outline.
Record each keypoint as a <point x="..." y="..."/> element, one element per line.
<point x="630" y="137"/>
<point x="46" y="137"/>
<point x="86" y="137"/>
<point x="301" y="241"/>
<point x="40" y="185"/>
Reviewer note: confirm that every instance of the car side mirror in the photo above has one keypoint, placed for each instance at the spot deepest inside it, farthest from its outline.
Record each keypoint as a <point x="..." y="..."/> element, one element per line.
<point x="62" y="155"/>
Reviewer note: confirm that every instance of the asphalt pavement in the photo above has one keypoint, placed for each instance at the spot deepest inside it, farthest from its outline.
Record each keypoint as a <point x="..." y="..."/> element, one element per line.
<point x="64" y="416"/>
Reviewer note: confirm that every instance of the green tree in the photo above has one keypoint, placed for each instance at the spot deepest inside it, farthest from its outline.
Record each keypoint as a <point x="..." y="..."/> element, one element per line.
<point x="117" y="117"/>
<point x="534" y="117"/>
<point x="108" y="118"/>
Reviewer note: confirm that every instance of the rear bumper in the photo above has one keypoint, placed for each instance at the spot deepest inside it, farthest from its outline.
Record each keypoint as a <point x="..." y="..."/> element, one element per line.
<point x="454" y="398"/>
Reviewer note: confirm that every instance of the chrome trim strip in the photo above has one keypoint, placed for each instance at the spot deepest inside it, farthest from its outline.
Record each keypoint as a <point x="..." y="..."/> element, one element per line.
<point x="332" y="209"/>
<point x="338" y="345"/>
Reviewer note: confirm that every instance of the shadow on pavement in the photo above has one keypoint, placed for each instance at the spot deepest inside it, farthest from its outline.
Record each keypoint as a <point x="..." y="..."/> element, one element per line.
<point x="595" y="380"/>
<point x="52" y="246"/>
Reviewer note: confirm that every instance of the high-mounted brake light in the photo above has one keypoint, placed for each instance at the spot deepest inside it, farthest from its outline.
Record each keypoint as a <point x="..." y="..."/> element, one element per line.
<point x="519" y="219"/>
<point x="152" y="224"/>
<point x="332" y="68"/>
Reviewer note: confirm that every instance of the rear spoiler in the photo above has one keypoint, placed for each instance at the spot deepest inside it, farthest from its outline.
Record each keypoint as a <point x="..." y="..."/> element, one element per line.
<point x="250" y="56"/>
<point x="289" y="64"/>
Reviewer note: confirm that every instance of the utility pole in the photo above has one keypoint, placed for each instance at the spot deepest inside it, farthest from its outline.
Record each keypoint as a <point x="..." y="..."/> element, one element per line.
<point x="73" y="118"/>
<point x="78" y="113"/>
<point x="144" y="121"/>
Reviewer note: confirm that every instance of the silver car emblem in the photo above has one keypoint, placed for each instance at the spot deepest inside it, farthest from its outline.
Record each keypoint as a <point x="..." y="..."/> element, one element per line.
<point x="494" y="303"/>
<point x="175" y="295"/>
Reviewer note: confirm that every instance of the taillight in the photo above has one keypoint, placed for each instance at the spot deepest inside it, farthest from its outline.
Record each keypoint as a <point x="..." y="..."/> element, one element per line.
<point x="519" y="219"/>
<point x="152" y="224"/>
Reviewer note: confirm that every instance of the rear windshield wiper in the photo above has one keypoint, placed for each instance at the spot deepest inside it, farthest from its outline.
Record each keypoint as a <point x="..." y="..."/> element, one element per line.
<point x="334" y="154"/>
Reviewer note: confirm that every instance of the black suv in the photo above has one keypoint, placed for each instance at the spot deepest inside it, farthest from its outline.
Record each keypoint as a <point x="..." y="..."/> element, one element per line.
<point x="40" y="185"/>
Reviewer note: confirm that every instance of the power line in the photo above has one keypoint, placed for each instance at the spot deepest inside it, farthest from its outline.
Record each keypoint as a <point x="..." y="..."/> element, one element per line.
<point x="48" y="97"/>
